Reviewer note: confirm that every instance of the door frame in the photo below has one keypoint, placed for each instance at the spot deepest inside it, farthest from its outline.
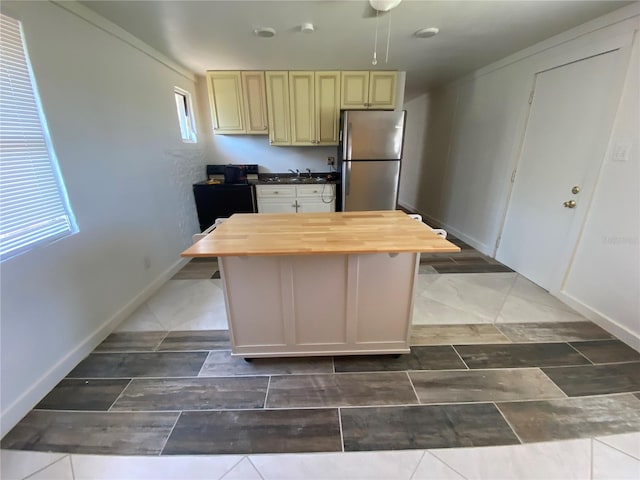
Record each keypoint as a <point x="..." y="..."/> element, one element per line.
<point x="561" y="270"/>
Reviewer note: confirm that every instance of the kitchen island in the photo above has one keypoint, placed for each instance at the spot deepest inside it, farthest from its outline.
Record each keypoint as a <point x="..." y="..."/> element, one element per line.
<point x="319" y="283"/>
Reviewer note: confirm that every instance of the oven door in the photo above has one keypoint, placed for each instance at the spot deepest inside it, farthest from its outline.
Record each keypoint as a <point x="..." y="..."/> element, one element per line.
<point x="222" y="201"/>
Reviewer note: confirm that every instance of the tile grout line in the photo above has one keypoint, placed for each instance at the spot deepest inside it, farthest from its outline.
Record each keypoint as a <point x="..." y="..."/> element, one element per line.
<point x="64" y="455"/>
<point x="166" y="440"/>
<point x="504" y="302"/>
<point x="119" y="395"/>
<point x="162" y="340"/>
<point x="594" y="439"/>
<point x="581" y="354"/>
<point x="554" y="383"/>
<point x="233" y="466"/>
<point x="424" y="452"/>
<point x="495" y="404"/>
<point x="203" y="364"/>
<point x="413" y="387"/>
<point x="266" y="393"/>
<point x="73" y="470"/>
<point x="255" y="468"/>
<point x="445" y="463"/>
<point x="340" y="425"/>
<point x="460" y="357"/>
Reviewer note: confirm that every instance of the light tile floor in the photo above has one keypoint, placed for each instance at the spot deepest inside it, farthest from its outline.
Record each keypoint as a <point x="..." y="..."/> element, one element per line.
<point x="196" y="304"/>
<point x="457" y="298"/>
<point x="612" y="457"/>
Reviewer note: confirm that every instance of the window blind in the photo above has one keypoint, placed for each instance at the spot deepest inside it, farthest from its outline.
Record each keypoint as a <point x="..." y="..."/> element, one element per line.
<point x="34" y="208"/>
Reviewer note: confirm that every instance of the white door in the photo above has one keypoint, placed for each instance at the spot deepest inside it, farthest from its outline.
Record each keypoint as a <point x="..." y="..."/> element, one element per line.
<point x="565" y="141"/>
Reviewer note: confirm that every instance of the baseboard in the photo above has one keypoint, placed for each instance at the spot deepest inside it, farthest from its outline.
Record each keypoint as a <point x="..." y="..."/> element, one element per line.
<point x="437" y="223"/>
<point x="623" y="333"/>
<point x="12" y="414"/>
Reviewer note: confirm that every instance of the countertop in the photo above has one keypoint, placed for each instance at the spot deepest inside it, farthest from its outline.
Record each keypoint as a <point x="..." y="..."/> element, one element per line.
<point x="293" y="179"/>
<point x="250" y="234"/>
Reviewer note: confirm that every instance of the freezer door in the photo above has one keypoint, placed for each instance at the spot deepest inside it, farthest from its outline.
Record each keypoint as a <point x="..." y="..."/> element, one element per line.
<point x="370" y="185"/>
<point x="372" y="135"/>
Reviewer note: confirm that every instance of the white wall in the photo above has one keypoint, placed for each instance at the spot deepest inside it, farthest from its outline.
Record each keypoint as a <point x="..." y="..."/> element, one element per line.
<point x="473" y="132"/>
<point x="113" y="123"/>
<point x="605" y="273"/>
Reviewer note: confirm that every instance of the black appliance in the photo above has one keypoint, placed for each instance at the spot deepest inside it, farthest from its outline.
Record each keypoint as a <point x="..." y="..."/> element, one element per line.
<point x="228" y="189"/>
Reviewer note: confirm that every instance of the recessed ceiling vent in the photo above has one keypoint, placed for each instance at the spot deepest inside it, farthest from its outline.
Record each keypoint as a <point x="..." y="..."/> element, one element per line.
<point x="265" y="32"/>
<point x="427" y="32"/>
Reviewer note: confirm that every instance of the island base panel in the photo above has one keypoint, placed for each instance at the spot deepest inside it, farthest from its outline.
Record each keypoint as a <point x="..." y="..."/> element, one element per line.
<point x="319" y="304"/>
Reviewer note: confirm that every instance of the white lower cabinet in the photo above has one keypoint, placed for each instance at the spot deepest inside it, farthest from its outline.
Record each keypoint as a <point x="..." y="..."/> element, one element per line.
<point x="296" y="198"/>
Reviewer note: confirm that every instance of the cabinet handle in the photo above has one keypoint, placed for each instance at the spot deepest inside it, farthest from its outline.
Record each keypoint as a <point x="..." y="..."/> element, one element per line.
<point x="276" y="192"/>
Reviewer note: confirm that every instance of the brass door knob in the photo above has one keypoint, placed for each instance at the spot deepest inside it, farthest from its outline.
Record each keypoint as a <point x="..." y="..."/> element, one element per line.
<point x="575" y="190"/>
<point x="570" y="204"/>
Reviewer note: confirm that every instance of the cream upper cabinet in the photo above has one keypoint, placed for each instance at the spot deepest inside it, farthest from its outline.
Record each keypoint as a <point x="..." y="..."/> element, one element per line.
<point x="368" y="90"/>
<point x="355" y="90"/>
<point x="255" y="103"/>
<point x="315" y="107"/>
<point x="327" y="117"/>
<point x="277" y="85"/>
<point x="238" y="102"/>
<point x="225" y="97"/>
<point x="303" y="111"/>
<point x="382" y="90"/>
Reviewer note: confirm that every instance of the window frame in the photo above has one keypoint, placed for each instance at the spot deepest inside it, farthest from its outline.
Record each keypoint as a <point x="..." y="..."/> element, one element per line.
<point x="26" y="152"/>
<point x="186" y="117"/>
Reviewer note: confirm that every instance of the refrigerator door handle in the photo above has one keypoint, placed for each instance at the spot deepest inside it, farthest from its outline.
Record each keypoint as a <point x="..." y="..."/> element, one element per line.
<point x="347" y="177"/>
<point x="349" y="143"/>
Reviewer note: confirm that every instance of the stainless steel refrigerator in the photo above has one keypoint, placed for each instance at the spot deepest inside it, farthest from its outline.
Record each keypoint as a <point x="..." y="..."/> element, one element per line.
<point x="370" y="153"/>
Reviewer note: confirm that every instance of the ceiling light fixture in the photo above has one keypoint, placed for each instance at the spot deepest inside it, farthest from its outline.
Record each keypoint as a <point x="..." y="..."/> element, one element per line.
<point x="306" y="28"/>
<point x="427" y="32"/>
<point x="265" y="32"/>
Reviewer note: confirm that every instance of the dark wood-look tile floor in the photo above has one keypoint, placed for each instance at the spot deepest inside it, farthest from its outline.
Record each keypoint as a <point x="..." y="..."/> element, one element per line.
<point x="266" y="431"/>
<point x="607" y="351"/>
<point x="596" y="379"/>
<point x="441" y="357"/>
<point x="553" y="331"/>
<point x="511" y="355"/>
<point x="539" y="421"/>
<point x="433" y="426"/>
<point x="84" y="394"/>
<point x="182" y="393"/>
<point x="142" y="433"/>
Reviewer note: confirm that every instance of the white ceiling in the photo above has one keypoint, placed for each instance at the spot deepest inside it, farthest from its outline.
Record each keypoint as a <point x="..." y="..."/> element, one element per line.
<point x="218" y="35"/>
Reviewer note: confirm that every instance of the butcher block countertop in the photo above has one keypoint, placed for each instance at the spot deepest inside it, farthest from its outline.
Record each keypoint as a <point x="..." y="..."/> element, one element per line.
<point x="251" y="234"/>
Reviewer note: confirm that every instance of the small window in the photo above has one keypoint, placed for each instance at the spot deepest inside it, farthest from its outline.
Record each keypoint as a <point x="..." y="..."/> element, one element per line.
<point x="185" y="116"/>
<point x="34" y="208"/>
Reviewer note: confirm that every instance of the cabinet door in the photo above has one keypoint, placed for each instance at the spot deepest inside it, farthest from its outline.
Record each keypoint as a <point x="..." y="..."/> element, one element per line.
<point x="327" y="107"/>
<point x="355" y="90"/>
<point x="382" y="90"/>
<point x="277" y="84"/>
<point x="225" y="96"/>
<point x="276" y="206"/>
<point x="255" y="102"/>
<point x="316" y="198"/>
<point x="303" y="112"/>
<point x="315" y="205"/>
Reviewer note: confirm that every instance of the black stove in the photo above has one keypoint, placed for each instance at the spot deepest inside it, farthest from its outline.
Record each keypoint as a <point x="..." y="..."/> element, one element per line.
<point x="228" y="189"/>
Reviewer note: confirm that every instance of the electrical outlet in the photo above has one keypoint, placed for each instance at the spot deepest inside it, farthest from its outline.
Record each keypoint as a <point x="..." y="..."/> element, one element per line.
<point x="331" y="161"/>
